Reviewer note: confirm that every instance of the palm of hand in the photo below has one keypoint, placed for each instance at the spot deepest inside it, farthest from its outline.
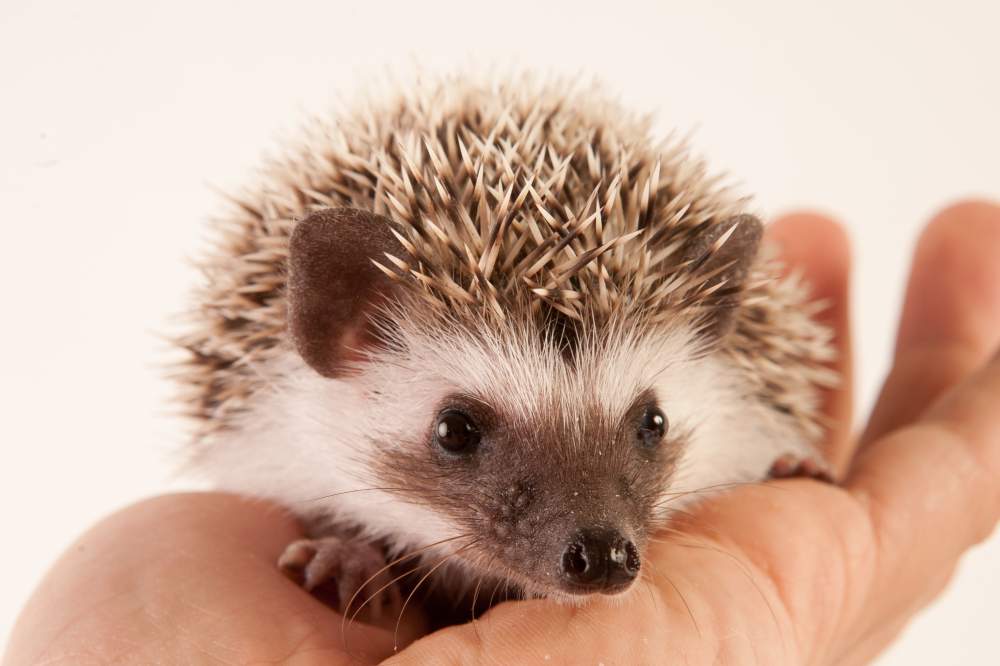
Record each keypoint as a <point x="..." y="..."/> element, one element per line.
<point x="791" y="572"/>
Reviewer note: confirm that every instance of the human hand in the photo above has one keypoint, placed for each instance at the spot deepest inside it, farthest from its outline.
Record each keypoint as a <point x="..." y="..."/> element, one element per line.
<point x="794" y="572"/>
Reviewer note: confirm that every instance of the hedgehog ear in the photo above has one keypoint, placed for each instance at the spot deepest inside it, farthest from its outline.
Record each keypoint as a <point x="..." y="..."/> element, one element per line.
<point x="333" y="286"/>
<point x="725" y="252"/>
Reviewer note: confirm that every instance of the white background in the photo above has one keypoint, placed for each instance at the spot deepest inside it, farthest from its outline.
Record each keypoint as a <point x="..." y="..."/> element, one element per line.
<point x="117" y="120"/>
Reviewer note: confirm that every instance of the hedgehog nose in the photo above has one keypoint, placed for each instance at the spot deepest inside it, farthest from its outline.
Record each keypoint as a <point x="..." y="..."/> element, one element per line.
<point x="600" y="560"/>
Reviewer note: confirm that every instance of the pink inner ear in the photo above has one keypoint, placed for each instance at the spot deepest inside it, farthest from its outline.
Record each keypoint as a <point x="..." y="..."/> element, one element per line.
<point x="351" y="347"/>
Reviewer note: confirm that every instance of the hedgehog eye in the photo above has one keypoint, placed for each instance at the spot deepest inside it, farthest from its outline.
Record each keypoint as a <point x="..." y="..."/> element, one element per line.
<point x="652" y="426"/>
<point x="455" y="432"/>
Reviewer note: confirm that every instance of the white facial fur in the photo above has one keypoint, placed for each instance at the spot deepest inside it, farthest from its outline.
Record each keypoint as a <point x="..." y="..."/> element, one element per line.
<point x="305" y="440"/>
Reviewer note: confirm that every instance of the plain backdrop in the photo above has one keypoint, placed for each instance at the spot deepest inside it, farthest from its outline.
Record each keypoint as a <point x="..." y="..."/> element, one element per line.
<point x="120" y="120"/>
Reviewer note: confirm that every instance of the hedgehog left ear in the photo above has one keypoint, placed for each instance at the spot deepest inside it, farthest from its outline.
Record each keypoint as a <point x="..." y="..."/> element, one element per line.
<point x="726" y="253"/>
<point x="333" y="286"/>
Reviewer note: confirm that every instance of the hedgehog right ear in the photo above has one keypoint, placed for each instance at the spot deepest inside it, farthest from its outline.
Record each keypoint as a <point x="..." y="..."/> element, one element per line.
<point x="333" y="286"/>
<point x="726" y="252"/>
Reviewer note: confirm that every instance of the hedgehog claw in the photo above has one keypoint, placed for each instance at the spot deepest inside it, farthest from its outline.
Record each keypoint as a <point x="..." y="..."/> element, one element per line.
<point x="354" y="570"/>
<point x="790" y="466"/>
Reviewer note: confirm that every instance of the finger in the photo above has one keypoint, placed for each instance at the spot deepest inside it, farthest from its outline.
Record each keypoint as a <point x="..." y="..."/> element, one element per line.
<point x="819" y="248"/>
<point x="201" y="566"/>
<point x="932" y="490"/>
<point x="951" y="317"/>
<point x="877" y="638"/>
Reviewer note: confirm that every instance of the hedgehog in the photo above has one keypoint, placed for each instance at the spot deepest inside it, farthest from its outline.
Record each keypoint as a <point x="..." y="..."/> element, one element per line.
<point x="495" y="333"/>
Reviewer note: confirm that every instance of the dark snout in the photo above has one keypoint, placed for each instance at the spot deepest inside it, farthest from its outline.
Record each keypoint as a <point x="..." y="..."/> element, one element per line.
<point x="599" y="560"/>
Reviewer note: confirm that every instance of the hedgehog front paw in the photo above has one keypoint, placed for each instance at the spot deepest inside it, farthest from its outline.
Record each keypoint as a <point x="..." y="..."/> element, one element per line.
<point x="354" y="570"/>
<point x="791" y="466"/>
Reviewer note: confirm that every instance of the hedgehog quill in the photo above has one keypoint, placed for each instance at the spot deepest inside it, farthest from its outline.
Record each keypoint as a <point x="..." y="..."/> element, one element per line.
<point x="497" y="326"/>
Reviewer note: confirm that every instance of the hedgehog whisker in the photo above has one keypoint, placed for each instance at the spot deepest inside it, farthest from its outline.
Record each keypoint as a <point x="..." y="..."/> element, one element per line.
<point x="647" y="576"/>
<point x="395" y="633"/>
<point x="398" y="560"/>
<point x="354" y="490"/>
<point x="374" y="594"/>
<point x="683" y="512"/>
<point x="472" y="608"/>
<point x="674" y="496"/>
<point x="475" y="596"/>
<point x="656" y="572"/>
<point x="744" y="569"/>
<point x="493" y="594"/>
<point x="349" y="618"/>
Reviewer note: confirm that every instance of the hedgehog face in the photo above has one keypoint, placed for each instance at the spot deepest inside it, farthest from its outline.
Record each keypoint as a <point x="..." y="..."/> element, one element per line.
<point x="555" y="462"/>
<point x="565" y="500"/>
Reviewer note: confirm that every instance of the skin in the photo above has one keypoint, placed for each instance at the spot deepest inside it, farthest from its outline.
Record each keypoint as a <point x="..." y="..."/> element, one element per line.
<point x="787" y="572"/>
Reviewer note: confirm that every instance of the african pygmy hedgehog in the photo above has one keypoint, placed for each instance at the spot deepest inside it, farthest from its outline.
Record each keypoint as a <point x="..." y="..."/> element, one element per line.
<point x="494" y="325"/>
